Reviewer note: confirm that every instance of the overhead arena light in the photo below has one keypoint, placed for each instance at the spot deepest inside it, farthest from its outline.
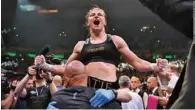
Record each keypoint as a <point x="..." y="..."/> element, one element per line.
<point x="48" y="11"/>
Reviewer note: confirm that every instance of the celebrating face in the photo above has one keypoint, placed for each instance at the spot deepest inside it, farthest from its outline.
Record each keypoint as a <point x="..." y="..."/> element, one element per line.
<point x="96" y="19"/>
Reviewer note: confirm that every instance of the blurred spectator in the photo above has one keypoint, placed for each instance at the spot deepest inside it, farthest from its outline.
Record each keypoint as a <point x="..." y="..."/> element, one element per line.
<point x="6" y="102"/>
<point x="30" y="83"/>
<point x="136" y="101"/>
<point x="168" y="78"/>
<point x="153" y="88"/>
<point x="19" y="102"/>
<point x="135" y="84"/>
<point x="179" y="14"/>
<point x="39" y="96"/>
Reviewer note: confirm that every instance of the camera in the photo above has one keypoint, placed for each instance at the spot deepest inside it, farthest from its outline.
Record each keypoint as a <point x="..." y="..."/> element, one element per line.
<point x="38" y="72"/>
<point x="144" y="87"/>
<point x="5" y="85"/>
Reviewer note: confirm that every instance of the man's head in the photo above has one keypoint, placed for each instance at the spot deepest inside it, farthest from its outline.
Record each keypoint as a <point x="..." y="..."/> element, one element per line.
<point x="75" y="74"/>
<point x="152" y="83"/>
<point x="173" y="69"/>
<point x="135" y="83"/>
<point x="29" y="83"/>
<point x="96" y="19"/>
<point x="124" y="81"/>
<point x="57" y="80"/>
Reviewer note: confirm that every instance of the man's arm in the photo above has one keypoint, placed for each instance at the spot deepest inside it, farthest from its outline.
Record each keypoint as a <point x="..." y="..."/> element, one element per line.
<point x="20" y="88"/>
<point x="48" y="77"/>
<point x="53" y="88"/>
<point x="60" y="69"/>
<point x="177" y="13"/>
<point x="123" y="95"/>
<point x="103" y="96"/>
<point x="6" y="104"/>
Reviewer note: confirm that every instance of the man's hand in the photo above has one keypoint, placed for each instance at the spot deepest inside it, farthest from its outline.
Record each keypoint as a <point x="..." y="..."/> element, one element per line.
<point x="163" y="101"/>
<point x="102" y="97"/>
<point x="46" y="75"/>
<point x="32" y="71"/>
<point x="40" y="59"/>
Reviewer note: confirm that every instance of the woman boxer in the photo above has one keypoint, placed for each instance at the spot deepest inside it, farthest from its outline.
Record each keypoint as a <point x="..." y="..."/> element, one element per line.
<point x="101" y="54"/>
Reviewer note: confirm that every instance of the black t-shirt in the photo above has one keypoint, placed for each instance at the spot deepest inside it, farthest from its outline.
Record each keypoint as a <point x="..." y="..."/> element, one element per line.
<point x="78" y="98"/>
<point x="20" y="104"/>
<point x="38" y="98"/>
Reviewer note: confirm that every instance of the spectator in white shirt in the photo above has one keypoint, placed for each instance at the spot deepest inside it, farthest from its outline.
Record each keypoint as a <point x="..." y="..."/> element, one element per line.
<point x="135" y="84"/>
<point x="136" y="101"/>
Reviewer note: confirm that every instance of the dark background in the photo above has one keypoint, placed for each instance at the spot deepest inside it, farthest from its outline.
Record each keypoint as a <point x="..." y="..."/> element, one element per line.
<point x="25" y="30"/>
<point x="64" y="29"/>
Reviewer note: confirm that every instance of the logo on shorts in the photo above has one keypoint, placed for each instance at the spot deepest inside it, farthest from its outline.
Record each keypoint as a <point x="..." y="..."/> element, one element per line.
<point x="74" y="95"/>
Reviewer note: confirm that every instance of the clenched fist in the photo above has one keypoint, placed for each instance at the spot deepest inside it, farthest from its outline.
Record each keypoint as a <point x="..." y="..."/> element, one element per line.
<point x="161" y="64"/>
<point x="40" y="59"/>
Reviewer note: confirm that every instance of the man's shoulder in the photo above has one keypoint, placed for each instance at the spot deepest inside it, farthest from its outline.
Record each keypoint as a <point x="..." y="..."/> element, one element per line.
<point x="78" y="89"/>
<point x="134" y="94"/>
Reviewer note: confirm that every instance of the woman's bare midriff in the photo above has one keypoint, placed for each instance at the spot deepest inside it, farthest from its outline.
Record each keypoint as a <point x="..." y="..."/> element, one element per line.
<point x="102" y="70"/>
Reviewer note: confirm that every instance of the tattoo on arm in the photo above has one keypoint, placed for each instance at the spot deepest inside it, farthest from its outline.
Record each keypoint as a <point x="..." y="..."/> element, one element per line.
<point x="47" y="67"/>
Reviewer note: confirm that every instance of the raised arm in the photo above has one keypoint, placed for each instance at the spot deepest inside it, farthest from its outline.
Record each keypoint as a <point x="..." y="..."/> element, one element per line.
<point x="48" y="78"/>
<point x="133" y="59"/>
<point x="6" y="104"/>
<point x="20" y="88"/>
<point x="59" y="69"/>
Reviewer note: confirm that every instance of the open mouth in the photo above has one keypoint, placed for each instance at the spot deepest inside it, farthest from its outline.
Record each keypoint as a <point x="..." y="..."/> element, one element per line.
<point x="96" y="22"/>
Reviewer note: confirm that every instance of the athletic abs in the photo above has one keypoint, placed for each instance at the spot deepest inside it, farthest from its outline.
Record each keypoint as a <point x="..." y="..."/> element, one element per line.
<point x="101" y="60"/>
<point x="102" y="70"/>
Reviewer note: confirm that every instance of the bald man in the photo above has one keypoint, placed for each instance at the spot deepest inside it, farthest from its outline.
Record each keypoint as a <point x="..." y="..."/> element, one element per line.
<point x="152" y="84"/>
<point x="57" y="80"/>
<point x="76" y="95"/>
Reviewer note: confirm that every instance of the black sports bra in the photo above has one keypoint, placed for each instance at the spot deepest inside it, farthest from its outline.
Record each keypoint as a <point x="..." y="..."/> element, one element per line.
<point x="103" y="52"/>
